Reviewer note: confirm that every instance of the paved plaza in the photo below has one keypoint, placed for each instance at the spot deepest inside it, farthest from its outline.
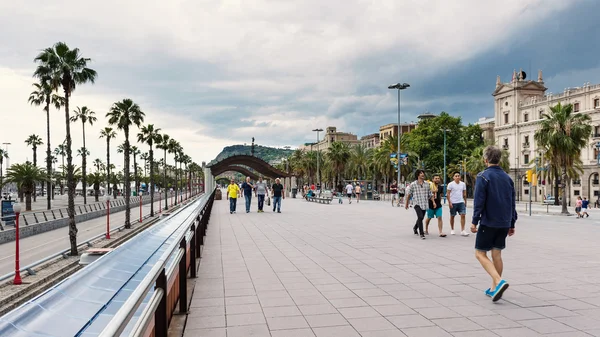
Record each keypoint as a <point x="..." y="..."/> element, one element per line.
<point x="358" y="270"/>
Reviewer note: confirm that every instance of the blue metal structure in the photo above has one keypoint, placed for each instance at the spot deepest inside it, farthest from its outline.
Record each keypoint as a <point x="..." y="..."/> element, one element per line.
<point x="85" y="303"/>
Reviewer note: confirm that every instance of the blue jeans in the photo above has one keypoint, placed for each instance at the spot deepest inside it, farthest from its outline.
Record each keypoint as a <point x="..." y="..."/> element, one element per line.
<point x="277" y="203"/>
<point x="248" y="200"/>
<point x="232" y="204"/>
<point x="261" y="201"/>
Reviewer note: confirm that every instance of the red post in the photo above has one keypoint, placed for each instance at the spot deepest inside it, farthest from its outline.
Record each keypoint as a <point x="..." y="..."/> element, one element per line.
<point x="17" y="280"/>
<point x="140" y="208"/>
<point x="108" y="217"/>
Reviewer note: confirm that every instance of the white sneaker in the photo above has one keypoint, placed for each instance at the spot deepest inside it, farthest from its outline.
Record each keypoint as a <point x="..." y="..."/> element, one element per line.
<point x="452" y="232"/>
<point x="464" y="233"/>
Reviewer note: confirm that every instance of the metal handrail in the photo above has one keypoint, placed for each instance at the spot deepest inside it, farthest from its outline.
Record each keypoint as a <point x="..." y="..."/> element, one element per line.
<point x="146" y="317"/>
<point x="123" y="316"/>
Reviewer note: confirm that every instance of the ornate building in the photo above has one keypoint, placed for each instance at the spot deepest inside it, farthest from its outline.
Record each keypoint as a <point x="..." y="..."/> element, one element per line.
<point x="370" y="141"/>
<point x="331" y="135"/>
<point x="518" y="107"/>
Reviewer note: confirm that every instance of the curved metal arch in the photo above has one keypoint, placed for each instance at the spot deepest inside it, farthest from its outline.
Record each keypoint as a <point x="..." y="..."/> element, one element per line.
<point x="235" y="168"/>
<point x="259" y="165"/>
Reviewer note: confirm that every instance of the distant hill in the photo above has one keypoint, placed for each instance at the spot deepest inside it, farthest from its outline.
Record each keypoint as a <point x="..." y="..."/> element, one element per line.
<point x="265" y="153"/>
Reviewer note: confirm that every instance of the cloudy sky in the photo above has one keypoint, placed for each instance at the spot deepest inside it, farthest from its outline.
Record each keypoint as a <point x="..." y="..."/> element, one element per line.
<point x="216" y="73"/>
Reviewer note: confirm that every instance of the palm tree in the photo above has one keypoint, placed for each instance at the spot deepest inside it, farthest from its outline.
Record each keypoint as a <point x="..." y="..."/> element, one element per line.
<point x="564" y="134"/>
<point x="98" y="164"/>
<point x="84" y="115"/>
<point x="144" y="156"/>
<point x="135" y="152"/>
<point x="338" y="155"/>
<point x="150" y="135"/>
<point x="108" y="134"/>
<point x="174" y="148"/>
<point x="65" y="67"/>
<point x="61" y="151"/>
<point x="95" y="179"/>
<point x="163" y="144"/>
<point x="360" y="161"/>
<point x="34" y="141"/>
<point x="124" y="114"/>
<point x="26" y="176"/>
<point x="44" y="95"/>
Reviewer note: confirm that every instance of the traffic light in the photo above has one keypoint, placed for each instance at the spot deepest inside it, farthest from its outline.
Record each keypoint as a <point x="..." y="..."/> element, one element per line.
<point x="529" y="176"/>
<point x="534" y="179"/>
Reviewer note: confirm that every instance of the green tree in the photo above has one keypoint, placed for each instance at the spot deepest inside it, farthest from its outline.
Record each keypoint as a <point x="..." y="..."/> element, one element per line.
<point x="26" y="176"/>
<point x="34" y="141"/>
<point x="360" y="161"/>
<point x="108" y="134"/>
<point x="65" y="67"/>
<point x="44" y="95"/>
<point x="150" y="135"/>
<point x="163" y="144"/>
<point x="338" y="156"/>
<point x="564" y="134"/>
<point x="95" y="179"/>
<point x="86" y="116"/>
<point x="124" y="115"/>
<point x="3" y="154"/>
<point x="175" y="148"/>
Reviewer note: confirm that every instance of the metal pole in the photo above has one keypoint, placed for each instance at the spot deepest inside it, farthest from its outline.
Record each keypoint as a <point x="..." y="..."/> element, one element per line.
<point x="318" y="170"/>
<point x="530" y="188"/>
<point x="445" y="175"/>
<point x="17" y="280"/>
<point x="140" y="207"/>
<point x="107" y="218"/>
<point x="399" y="174"/>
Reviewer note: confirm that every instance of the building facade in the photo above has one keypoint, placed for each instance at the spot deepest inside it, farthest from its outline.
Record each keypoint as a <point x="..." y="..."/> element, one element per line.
<point x="487" y="125"/>
<point x="391" y="130"/>
<point x="370" y="141"/>
<point x="331" y="135"/>
<point x="518" y="107"/>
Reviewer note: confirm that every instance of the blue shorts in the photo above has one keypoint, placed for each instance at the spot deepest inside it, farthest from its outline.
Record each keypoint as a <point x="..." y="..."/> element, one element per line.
<point x="458" y="208"/>
<point x="434" y="213"/>
<point x="489" y="238"/>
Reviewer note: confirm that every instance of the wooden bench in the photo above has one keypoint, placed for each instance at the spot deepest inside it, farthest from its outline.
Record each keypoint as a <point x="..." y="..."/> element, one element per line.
<point x="325" y="198"/>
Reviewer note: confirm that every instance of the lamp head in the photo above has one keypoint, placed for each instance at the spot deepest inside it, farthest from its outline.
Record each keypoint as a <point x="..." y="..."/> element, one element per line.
<point x="17" y="207"/>
<point x="399" y="86"/>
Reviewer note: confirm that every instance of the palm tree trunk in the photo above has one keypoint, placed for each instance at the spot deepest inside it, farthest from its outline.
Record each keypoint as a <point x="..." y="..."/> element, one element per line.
<point x="28" y="200"/>
<point x="165" y="181"/>
<point x="34" y="164"/>
<point x="70" y="178"/>
<point x="107" y="166"/>
<point x="564" y="191"/>
<point x="96" y="192"/>
<point x="127" y="179"/>
<point x="176" y="183"/>
<point x="556" y="201"/>
<point x="83" y="167"/>
<point x="151" y="187"/>
<point x="48" y="156"/>
<point x="135" y="175"/>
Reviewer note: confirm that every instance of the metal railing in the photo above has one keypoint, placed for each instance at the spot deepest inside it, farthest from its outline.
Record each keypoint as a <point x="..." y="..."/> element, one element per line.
<point x="156" y="315"/>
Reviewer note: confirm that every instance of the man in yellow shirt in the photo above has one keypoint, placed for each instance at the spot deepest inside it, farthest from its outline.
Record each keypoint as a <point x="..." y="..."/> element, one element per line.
<point x="232" y="193"/>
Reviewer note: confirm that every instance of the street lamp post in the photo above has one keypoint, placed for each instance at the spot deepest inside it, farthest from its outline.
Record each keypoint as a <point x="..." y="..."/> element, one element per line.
<point x="399" y="87"/>
<point x="17" y="209"/>
<point x="445" y="174"/>
<point x="6" y="149"/>
<point x="318" y="171"/>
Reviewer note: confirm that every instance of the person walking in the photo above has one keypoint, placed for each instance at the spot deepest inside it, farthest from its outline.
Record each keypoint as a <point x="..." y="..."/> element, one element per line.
<point x="349" y="189"/>
<point x="247" y="187"/>
<point x="261" y="193"/>
<point x="357" y="190"/>
<point x="435" y="211"/>
<point x="494" y="211"/>
<point x="457" y="202"/>
<point x="584" y="207"/>
<point x="233" y="190"/>
<point x="277" y="192"/>
<point x="578" y="205"/>
<point x="421" y="193"/>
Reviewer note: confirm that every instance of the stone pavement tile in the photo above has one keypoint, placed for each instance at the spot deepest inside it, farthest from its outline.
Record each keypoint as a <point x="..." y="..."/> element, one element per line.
<point x="348" y="302"/>
<point x="454" y="288"/>
<point x="207" y="302"/>
<point x="513" y="332"/>
<point x="554" y="311"/>
<point x="238" y="285"/>
<point x="245" y="319"/>
<point x="472" y="310"/>
<point x="331" y="295"/>
<point x="236" y="309"/>
<point x="240" y="292"/>
<point x="383" y="333"/>
<point x="475" y="333"/>
<point x="421" y="303"/>
<point x="517" y="314"/>
<point x="595" y="300"/>
<point x="439" y="312"/>
<point x="360" y="285"/>
<point x="394" y="310"/>
<point x="546" y="325"/>
<point x="317" y="309"/>
<point x="307" y="300"/>
<point x="453" y="301"/>
<point x="206" y="311"/>
<point x="380" y="300"/>
<point x="336" y="331"/>
<point x="359" y="312"/>
<point x="595" y="333"/>
<point x="273" y="294"/>
<point x="287" y="322"/>
<point x="248" y="331"/>
<point x="241" y="300"/>
<point x="319" y="321"/>
<point x="371" y="292"/>
<point x="496" y="322"/>
<point x="407" y="294"/>
<point x="547" y="295"/>
<point x="282" y="311"/>
<point x="427" y="331"/>
<point x="276" y="302"/>
<point x="218" y="332"/>
<point x="371" y="324"/>
<point x="293" y="333"/>
<point x="331" y="287"/>
<point x="580" y="322"/>
<point x="573" y="304"/>
<point x="409" y="321"/>
<point x="593" y="313"/>
<point x="204" y="322"/>
<point x="568" y="334"/>
<point x="457" y="324"/>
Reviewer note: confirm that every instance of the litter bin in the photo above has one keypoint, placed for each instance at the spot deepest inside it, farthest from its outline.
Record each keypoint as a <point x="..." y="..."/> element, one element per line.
<point x="294" y="192"/>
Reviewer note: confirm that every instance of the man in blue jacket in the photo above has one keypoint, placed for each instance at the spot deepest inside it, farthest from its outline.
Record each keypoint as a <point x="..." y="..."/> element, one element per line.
<point x="495" y="213"/>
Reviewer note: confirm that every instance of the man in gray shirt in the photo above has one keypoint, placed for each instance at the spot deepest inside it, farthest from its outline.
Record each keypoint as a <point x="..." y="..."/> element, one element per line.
<point x="261" y="192"/>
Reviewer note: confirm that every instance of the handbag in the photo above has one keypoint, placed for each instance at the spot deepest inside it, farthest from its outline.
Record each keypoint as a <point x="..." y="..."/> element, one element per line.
<point x="268" y="201"/>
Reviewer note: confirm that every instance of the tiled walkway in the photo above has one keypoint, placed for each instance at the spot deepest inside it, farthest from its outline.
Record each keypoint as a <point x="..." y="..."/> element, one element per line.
<point x="357" y="270"/>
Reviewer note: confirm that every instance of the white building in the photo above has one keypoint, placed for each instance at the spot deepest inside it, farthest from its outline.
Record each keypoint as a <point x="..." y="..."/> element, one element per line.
<point x="518" y="107"/>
